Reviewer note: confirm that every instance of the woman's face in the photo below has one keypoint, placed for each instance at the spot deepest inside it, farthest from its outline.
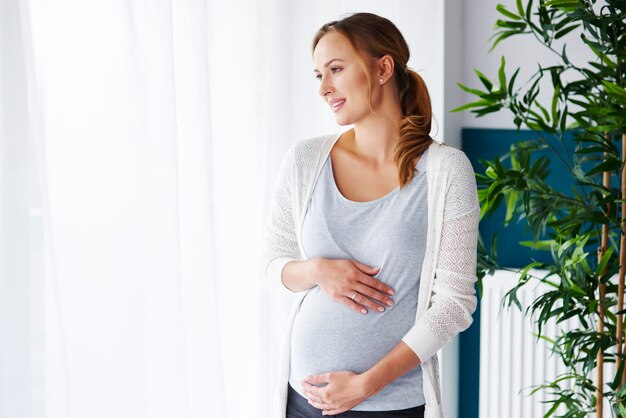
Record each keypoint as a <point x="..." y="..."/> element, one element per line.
<point x="343" y="82"/>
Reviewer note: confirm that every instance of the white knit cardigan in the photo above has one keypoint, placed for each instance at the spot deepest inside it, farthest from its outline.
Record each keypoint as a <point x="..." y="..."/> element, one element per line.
<point x="446" y="295"/>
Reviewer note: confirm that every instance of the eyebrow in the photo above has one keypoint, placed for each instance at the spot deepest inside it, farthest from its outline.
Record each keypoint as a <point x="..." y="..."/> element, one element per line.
<point x="328" y="63"/>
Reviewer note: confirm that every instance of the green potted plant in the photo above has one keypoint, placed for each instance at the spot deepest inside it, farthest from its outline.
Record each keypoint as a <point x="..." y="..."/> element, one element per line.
<point x="582" y="228"/>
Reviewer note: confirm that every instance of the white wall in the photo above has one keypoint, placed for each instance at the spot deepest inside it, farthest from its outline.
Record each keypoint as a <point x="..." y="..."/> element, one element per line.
<point x="453" y="69"/>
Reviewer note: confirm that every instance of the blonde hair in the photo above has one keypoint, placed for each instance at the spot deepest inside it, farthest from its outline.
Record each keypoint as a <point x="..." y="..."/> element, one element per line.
<point x="377" y="36"/>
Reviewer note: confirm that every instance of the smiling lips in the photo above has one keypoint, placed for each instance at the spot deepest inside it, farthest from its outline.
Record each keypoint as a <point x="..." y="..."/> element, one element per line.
<point x="336" y="104"/>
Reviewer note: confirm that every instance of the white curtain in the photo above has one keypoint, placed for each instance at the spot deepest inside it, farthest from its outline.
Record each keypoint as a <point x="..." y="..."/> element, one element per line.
<point x="138" y="144"/>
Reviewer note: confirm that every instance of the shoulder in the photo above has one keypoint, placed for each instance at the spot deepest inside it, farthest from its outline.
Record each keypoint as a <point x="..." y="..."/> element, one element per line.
<point x="311" y="147"/>
<point x="450" y="159"/>
<point x="306" y="152"/>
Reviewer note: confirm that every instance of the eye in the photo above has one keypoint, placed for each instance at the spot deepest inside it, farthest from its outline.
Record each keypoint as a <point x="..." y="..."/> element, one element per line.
<point x="333" y="70"/>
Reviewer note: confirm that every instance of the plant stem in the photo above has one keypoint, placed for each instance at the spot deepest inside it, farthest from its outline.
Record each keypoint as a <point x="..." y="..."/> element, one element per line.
<point x="622" y="269"/>
<point x="600" y="355"/>
<point x="604" y="243"/>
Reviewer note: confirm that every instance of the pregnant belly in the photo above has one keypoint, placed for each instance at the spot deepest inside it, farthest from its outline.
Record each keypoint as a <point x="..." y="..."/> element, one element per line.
<point x="328" y="336"/>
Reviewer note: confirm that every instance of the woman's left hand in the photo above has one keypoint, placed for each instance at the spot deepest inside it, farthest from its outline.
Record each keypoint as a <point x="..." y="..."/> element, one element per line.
<point x="343" y="391"/>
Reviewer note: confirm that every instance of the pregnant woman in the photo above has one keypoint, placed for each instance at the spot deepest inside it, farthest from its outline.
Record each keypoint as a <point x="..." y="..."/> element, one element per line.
<point x="376" y="229"/>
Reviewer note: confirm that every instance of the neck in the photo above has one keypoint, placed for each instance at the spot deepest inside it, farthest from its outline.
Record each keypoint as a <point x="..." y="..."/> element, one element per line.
<point x="375" y="138"/>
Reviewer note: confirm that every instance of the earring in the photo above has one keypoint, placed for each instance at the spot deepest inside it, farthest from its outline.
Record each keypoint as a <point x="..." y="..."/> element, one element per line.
<point x="382" y="80"/>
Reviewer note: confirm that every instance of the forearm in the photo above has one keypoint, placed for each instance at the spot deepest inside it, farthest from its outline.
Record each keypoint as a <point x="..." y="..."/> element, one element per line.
<point x="299" y="275"/>
<point x="400" y="360"/>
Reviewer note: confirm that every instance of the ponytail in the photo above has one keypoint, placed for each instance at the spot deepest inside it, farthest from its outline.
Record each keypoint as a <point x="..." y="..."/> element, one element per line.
<point x="415" y="127"/>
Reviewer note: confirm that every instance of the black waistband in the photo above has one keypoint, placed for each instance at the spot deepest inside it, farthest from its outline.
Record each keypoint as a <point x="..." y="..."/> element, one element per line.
<point x="299" y="407"/>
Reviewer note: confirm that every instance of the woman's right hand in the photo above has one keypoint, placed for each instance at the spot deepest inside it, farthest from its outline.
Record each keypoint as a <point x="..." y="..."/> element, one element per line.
<point x="351" y="283"/>
<point x="346" y="281"/>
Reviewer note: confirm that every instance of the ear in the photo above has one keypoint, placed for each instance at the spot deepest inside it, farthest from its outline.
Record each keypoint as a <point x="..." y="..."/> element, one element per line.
<point x="385" y="67"/>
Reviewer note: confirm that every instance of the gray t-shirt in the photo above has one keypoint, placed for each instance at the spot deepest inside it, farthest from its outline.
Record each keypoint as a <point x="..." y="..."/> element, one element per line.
<point x="390" y="233"/>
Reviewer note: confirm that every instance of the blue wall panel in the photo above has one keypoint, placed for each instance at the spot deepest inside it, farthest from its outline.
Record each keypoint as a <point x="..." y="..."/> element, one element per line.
<point x="486" y="144"/>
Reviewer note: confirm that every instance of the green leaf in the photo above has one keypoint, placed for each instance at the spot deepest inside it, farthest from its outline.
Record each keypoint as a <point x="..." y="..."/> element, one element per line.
<point x="564" y="55"/>
<point x="494" y="204"/>
<point x="574" y="287"/>
<point x="510" y="203"/>
<point x="614" y="90"/>
<point x="563" y="3"/>
<point x="565" y="31"/>
<point x="540" y="167"/>
<point x="484" y="80"/>
<point x="610" y="164"/>
<point x="509" y="24"/>
<point x="486" y="110"/>
<point x="527" y="268"/>
<point x="495" y="95"/>
<point x="485" y="208"/>
<point x="544" y="245"/>
<point x="564" y="247"/>
<point x="500" y="36"/>
<point x="470" y="90"/>
<point x="562" y="126"/>
<point x="501" y="75"/>
<point x="553" y="409"/>
<point x="592" y="149"/>
<point x="512" y="81"/>
<point x="555" y="102"/>
<point x="495" y="190"/>
<point x="529" y="10"/>
<point x="604" y="261"/>
<point x="502" y="9"/>
<point x="511" y="297"/>
<point x="472" y="105"/>
<point x="544" y="111"/>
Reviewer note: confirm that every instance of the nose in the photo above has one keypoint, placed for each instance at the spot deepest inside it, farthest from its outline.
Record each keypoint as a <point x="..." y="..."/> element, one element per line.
<point x="325" y="88"/>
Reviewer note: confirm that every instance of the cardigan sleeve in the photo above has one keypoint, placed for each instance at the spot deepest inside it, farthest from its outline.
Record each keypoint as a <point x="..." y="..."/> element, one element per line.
<point x="280" y="244"/>
<point x="453" y="298"/>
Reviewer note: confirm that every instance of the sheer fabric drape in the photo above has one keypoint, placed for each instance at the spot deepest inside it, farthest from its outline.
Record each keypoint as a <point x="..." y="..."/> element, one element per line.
<point x="139" y="141"/>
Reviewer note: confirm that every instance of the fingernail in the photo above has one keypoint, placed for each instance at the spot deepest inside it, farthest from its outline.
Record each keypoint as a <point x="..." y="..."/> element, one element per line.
<point x="391" y="292"/>
<point x="381" y="309"/>
<point x="390" y="302"/>
<point x="364" y="310"/>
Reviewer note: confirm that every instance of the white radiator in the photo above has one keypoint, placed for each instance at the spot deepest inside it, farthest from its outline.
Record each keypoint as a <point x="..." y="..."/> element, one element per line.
<point x="511" y="358"/>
